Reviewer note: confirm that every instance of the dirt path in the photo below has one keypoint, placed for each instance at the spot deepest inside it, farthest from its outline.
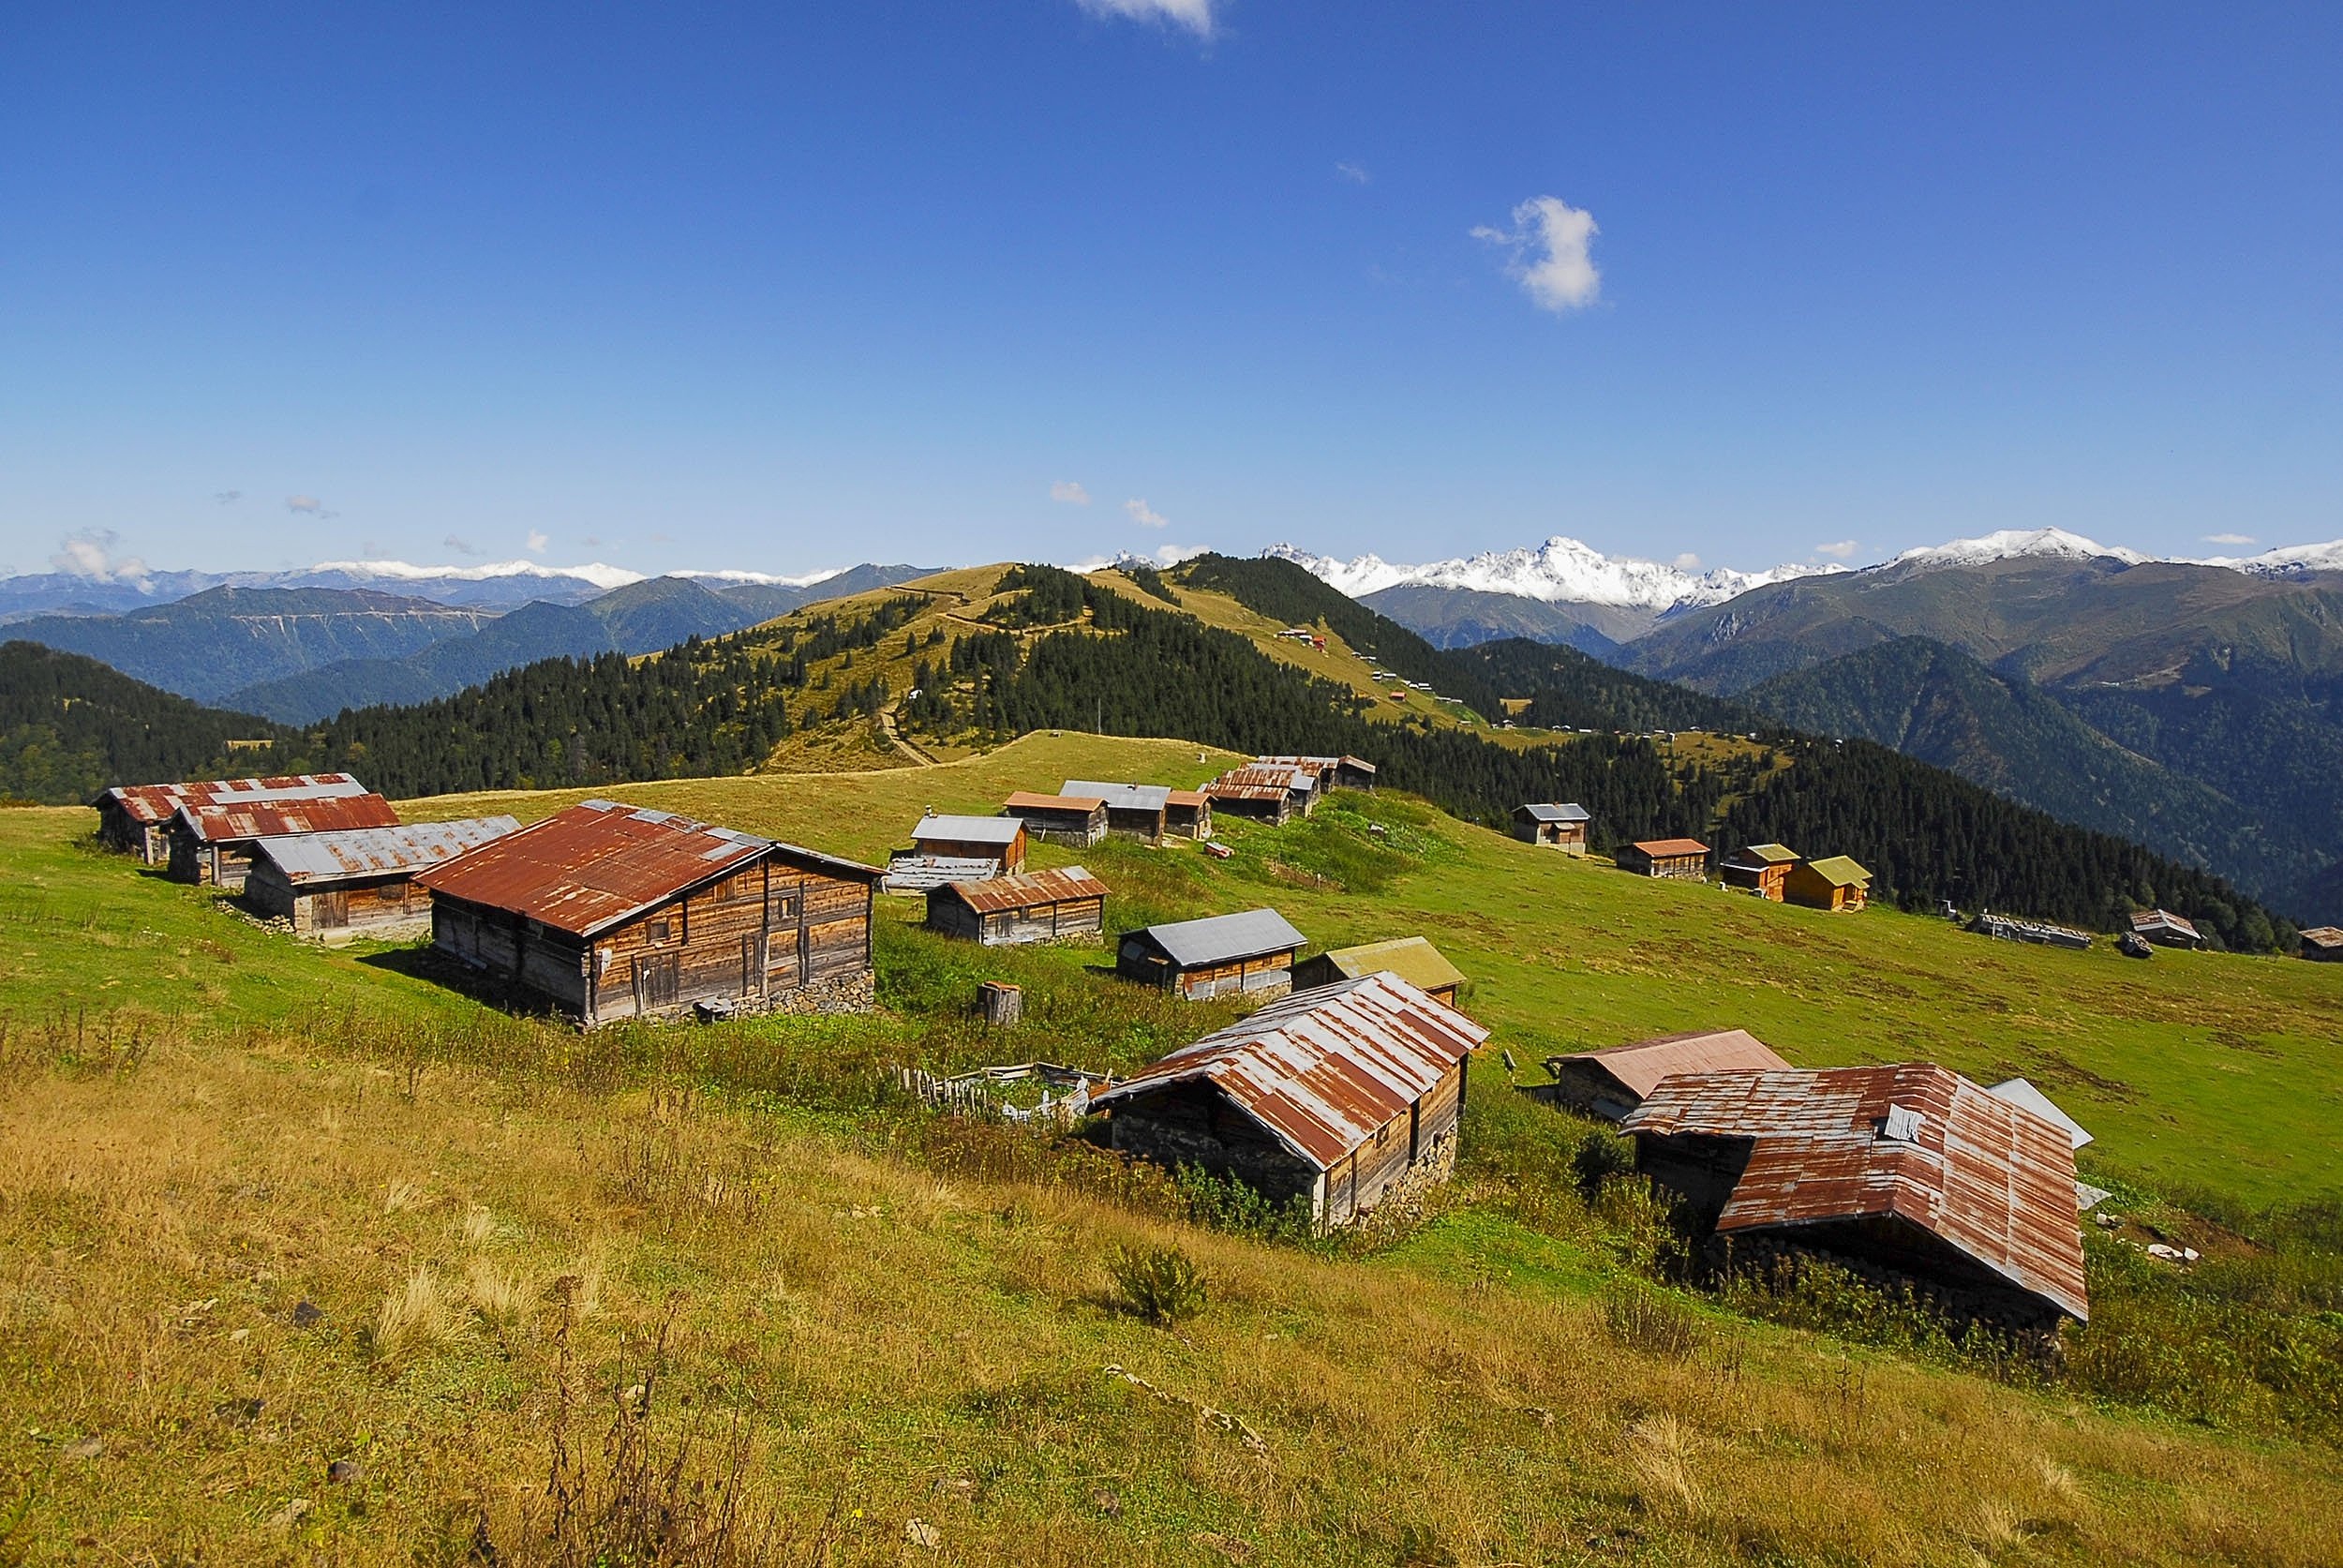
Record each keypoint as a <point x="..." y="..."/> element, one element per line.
<point x="909" y="749"/>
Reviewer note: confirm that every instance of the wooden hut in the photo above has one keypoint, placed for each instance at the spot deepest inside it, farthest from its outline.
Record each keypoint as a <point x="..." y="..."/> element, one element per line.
<point x="1910" y="1168"/>
<point x="211" y="844"/>
<point x="1411" y="957"/>
<point x="608" y="911"/>
<point x="1187" y="815"/>
<point x="1833" y="882"/>
<point x="1220" y="955"/>
<point x="1261" y="802"/>
<point x="1000" y="840"/>
<point x="1758" y="868"/>
<point x="1615" y="1080"/>
<point x="1677" y="860"/>
<point x="1554" y="825"/>
<point x="136" y="818"/>
<point x="1334" y="772"/>
<point x="1299" y="782"/>
<point x="1037" y="906"/>
<point x="361" y="881"/>
<point x="1339" y="1098"/>
<point x="1075" y="821"/>
<point x="2323" y="944"/>
<point x="2165" y="929"/>
<point x="1133" y="811"/>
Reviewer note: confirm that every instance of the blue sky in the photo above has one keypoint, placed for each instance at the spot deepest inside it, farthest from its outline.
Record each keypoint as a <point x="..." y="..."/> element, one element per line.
<point x="789" y="287"/>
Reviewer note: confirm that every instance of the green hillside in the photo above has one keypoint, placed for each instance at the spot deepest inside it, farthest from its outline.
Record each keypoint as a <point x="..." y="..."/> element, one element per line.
<point x="70" y="727"/>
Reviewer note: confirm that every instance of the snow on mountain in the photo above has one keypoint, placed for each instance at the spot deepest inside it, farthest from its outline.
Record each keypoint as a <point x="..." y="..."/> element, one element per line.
<point x="2289" y="560"/>
<point x="595" y="574"/>
<point x="2009" y="543"/>
<point x="1561" y="571"/>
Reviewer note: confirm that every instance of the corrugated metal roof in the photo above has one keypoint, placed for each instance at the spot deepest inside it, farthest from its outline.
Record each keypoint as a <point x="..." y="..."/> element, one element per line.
<point x="160" y="802"/>
<point x="1991" y="1178"/>
<point x="1000" y="894"/>
<point x="1221" y="789"/>
<point x="1662" y="848"/>
<point x="1640" y="1066"/>
<point x="2324" y="937"/>
<point x="2162" y="919"/>
<point x="1283" y="777"/>
<point x="1569" y="811"/>
<point x="2020" y="1091"/>
<point x="968" y="830"/>
<point x="1762" y="855"/>
<point x="1839" y="870"/>
<point x="312" y="857"/>
<point x="1323" y="1069"/>
<point x="323" y="814"/>
<point x="1191" y="798"/>
<point x="1411" y="957"/>
<point x="1027" y="799"/>
<point x="1225" y="938"/>
<point x="921" y="873"/>
<point x="1119" y="796"/>
<point x="601" y="861"/>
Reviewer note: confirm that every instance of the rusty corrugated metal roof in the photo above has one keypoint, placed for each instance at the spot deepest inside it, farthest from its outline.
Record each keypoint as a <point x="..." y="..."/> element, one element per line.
<point x="1027" y="799"/>
<point x="324" y="813"/>
<point x="1298" y="780"/>
<point x="1221" y="789"/>
<point x="160" y="802"/>
<point x="2146" y="920"/>
<point x="1190" y="799"/>
<point x="310" y="858"/>
<point x="1323" y="1069"/>
<point x="2324" y="937"/>
<point x="602" y="861"/>
<point x="1639" y="1066"/>
<point x="999" y="894"/>
<point x="1991" y="1178"/>
<point x="1661" y="850"/>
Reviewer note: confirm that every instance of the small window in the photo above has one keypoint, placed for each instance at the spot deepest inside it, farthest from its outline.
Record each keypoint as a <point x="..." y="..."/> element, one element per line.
<point x="657" y="932"/>
<point x="782" y="909"/>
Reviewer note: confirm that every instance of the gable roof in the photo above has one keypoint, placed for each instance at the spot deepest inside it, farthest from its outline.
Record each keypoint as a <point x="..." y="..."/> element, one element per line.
<point x="2161" y="920"/>
<point x="1027" y="799"/>
<point x="1762" y="855"/>
<point x="968" y="830"/>
<point x="1322" y="1069"/>
<point x="1411" y="957"/>
<point x="1661" y="850"/>
<point x="1839" y="870"/>
<point x="1640" y="1066"/>
<point x="2324" y="937"/>
<point x="160" y="802"/>
<point x="1224" y="938"/>
<point x="999" y="894"/>
<point x="1120" y="797"/>
<point x="323" y="814"/>
<point x="1191" y="798"/>
<point x="1283" y="775"/>
<point x="356" y="852"/>
<point x="2020" y="1093"/>
<point x="600" y="862"/>
<point x="1990" y="1179"/>
<point x="1554" y="812"/>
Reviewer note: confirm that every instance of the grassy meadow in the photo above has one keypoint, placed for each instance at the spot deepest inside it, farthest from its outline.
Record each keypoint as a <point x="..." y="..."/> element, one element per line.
<point x="265" y="1209"/>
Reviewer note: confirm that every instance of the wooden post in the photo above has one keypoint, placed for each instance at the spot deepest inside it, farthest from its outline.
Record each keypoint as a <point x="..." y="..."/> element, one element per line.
<point x="1001" y="1003"/>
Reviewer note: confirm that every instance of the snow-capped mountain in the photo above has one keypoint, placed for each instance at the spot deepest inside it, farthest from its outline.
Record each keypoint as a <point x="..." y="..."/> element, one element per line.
<point x="1561" y="571"/>
<point x="2011" y="543"/>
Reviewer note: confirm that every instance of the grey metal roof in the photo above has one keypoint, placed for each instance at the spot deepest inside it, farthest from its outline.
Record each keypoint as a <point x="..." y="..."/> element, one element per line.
<point x="918" y="873"/>
<point x="2024" y="1095"/>
<point x="1120" y="797"/>
<point x="1225" y="938"/>
<point x="360" y="852"/>
<point x="969" y="829"/>
<point x="1565" y="812"/>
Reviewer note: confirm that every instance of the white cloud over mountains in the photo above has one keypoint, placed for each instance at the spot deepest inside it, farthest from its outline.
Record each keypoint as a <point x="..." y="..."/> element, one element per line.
<point x="1550" y="241"/>
<point x="1069" y="492"/>
<point x="1145" y="516"/>
<point x="91" y="554"/>
<point x="1840" y="550"/>
<point x="1194" y="15"/>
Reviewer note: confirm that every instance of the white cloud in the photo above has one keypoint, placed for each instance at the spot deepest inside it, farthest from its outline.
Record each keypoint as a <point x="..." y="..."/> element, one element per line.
<point x="228" y="498"/>
<point x="538" y="540"/>
<point x="1162" y="554"/>
<point x="2231" y="539"/>
<point x="91" y="554"/>
<point x="1687" y="562"/>
<point x="1070" y="493"/>
<point x="304" y="503"/>
<point x="1549" y="242"/>
<point x="1194" y="15"/>
<point x="1353" y="173"/>
<point x="1839" y="551"/>
<point x="1145" y="516"/>
<point x="458" y="545"/>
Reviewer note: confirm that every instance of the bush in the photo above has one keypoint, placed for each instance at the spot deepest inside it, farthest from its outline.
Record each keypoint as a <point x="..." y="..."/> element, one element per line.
<point x="1600" y="1155"/>
<point x="1225" y="1203"/>
<point x="1646" y="1321"/>
<point x="1162" y="1284"/>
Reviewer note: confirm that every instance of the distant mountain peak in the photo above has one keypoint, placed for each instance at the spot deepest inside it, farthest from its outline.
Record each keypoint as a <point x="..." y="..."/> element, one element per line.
<point x="1560" y="570"/>
<point x="2014" y="544"/>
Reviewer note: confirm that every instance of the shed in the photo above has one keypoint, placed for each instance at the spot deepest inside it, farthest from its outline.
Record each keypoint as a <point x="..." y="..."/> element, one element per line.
<point x="1187" y="815"/>
<point x="2165" y="929"/>
<point x="1075" y="821"/>
<point x="998" y="838"/>
<point x="2323" y="944"/>
<point x="1341" y="1097"/>
<point x="136" y="818"/>
<point x="1615" y="1080"/>
<point x="608" y="911"/>
<point x="1221" y="954"/>
<point x="212" y="843"/>
<point x="2021" y="1092"/>
<point x="1037" y="906"/>
<point x="1300" y="783"/>
<point x="1555" y="824"/>
<point x="360" y="880"/>
<point x="1411" y="957"/>
<point x="1677" y="860"/>
<point x="1758" y="868"/>
<point x="1833" y="882"/>
<point x="1261" y="802"/>
<point x="1910" y="1168"/>
<point x="1334" y="772"/>
<point x="1134" y="811"/>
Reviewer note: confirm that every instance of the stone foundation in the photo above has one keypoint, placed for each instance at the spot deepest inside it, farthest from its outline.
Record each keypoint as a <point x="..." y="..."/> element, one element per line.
<point x="826" y="998"/>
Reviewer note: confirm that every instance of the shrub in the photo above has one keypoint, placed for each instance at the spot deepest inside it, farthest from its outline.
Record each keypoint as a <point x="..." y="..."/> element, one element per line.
<point x="1600" y="1155"/>
<point x="1646" y="1321"/>
<point x="1162" y="1284"/>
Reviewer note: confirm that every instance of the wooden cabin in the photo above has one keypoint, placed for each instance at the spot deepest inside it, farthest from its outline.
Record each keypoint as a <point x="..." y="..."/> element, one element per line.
<point x="2165" y="929"/>
<point x="211" y="845"/>
<point x="136" y="818"/>
<point x="1909" y="1169"/>
<point x="1553" y="825"/>
<point x="607" y="911"/>
<point x="1334" y="772"/>
<point x="2323" y="944"/>
<point x="1336" y="1099"/>
<point x="1037" y="906"/>
<point x="1615" y="1080"/>
<point x="1411" y="957"/>
<point x="1133" y="811"/>
<point x="1299" y="784"/>
<point x="1834" y="881"/>
<point x="1272" y="804"/>
<point x="1677" y="860"/>
<point x="1251" y="951"/>
<point x="1187" y="815"/>
<point x="1000" y="840"/>
<point x="1075" y="821"/>
<point x="1758" y="868"/>
<point x="361" y="881"/>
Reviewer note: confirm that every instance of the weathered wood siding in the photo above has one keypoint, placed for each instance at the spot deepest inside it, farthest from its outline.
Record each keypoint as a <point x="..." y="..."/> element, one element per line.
<point x="1765" y="881"/>
<point x="1278" y="811"/>
<point x="1188" y="822"/>
<point x="1195" y="1123"/>
<point x="1131" y="823"/>
<point x="360" y="904"/>
<point x="1074" y="829"/>
<point x="222" y="864"/>
<point x="1266" y="976"/>
<point x="1674" y="868"/>
<point x="1034" y="922"/>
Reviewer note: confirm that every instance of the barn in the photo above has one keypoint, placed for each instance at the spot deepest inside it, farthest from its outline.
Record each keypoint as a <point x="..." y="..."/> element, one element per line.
<point x="1299" y="784"/>
<point x="212" y="844"/>
<point x="1075" y="821"/>
<point x="1615" y="1080"/>
<point x="1187" y="815"/>
<point x="1554" y="825"/>
<point x="2165" y="929"/>
<point x="1834" y="881"/>
<point x="1000" y="840"/>
<point x="2323" y="944"/>
<point x="1411" y="957"/>
<point x="1133" y="811"/>
<point x="136" y="818"/>
<point x="1265" y="802"/>
<point x="1675" y="860"/>
<point x="1909" y="1171"/>
<point x="1250" y="951"/>
<point x="607" y="911"/>
<point x="1338" y="1099"/>
<point x="1758" y="868"/>
<point x="1334" y="772"/>
<point x="361" y="881"/>
<point x="1037" y="906"/>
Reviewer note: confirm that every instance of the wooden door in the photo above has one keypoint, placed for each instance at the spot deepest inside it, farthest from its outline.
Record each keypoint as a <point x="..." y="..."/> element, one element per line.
<point x="753" y="961"/>
<point x="330" y="911"/>
<point x="658" y="980"/>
